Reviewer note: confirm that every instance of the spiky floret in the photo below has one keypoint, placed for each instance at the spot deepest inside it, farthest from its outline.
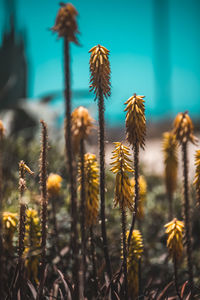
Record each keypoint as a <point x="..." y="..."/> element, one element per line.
<point x="170" y="148"/>
<point x="9" y="229"/>
<point x="81" y="123"/>
<point x="135" y="120"/>
<point x="65" y="24"/>
<point x="54" y="184"/>
<point x="174" y="231"/>
<point x="121" y="167"/>
<point x="134" y="254"/>
<point x="91" y="172"/>
<point x="184" y="129"/>
<point x="100" y="71"/>
<point x="197" y="175"/>
<point x="142" y="195"/>
<point x="32" y="244"/>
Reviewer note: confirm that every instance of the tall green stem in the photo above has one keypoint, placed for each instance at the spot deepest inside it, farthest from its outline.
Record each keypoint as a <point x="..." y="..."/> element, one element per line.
<point x="136" y="167"/>
<point x="176" y="278"/>
<point x="71" y="172"/>
<point x="123" y="220"/>
<point x="96" y="288"/>
<point x="83" y="240"/>
<point x="187" y="218"/>
<point x="102" y="181"/>
<point x="44" y="201"/>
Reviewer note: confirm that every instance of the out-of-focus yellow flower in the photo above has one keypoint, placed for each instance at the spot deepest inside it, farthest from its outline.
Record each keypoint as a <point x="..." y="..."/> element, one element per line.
<point x="91" y="172"/>
<point x="54" y="184"/>
<point x="121" y="167"/>
<point x="184" y="129"/>
<point x="81" y="125"/>
<point x="170" y="148"/>
<point x="9" y="228"/>
<point x="174" y="231"/>
<point x="135" y="120"/>
<point x="197" y="175"/>
<point x="142" y="195"/>
<point x="65" y="24"/>
<point x="134" y="254"/>
<point x="100" y="71"/>
<point x="2" y="130"/>
<point x="32" y="244"/>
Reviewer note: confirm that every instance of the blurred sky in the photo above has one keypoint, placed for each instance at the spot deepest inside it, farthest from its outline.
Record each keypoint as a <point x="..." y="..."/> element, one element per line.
<point x="154" y="51"/>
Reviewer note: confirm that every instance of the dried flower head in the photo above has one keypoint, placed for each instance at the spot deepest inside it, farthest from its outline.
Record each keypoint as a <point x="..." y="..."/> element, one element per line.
<point x="91" y="172"/>
<point x="32" y="244"/>
<point x="9" y="228"/>
<point x="170" y="148"/>
<point x="135" y="120"/>
<point x="197" y="175"/>
<point x="81" y="123"/>
<point x="184" y="129"/>
<point x="54" y="184"/>
<point x="100" y="71"/>
<point x="121" y="167"/>
<point x="142" y="195"/>
<point x="134" y="254"/>
<point x="174" y="231"/>
<point x="2" y="130"/>
<point x="65" y="24"/>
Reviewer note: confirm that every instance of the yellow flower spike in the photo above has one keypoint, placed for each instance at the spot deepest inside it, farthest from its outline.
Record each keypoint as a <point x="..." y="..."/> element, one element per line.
<point x="134" y="254"/>
<point x="184" y="129"/>
<point x="197" y="175"/>
<point x="9" y="228"/>
<point x="81" y="125"/>
<point x="32" y="244"/>
<point x="135" y="120"/>
<point x="65" y="24"/>
<point x="91" y="172"/>
<point x="54" y="184"/>
<point x="142" y="195"/>
<point x="121" y="166"/>
<point x="23" y="167"/>
<point x="174" y="231"/>
<point x="100" y="71"/>
<point x="170" y="148"/>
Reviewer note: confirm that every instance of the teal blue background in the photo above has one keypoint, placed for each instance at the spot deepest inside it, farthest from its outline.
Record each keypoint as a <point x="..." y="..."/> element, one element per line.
<point x="154" y="51"/>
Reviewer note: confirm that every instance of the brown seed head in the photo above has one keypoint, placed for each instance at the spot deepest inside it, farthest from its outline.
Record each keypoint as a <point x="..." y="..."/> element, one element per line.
<point x="65" y="24"/>
<point x="100" y="71"/>
<point x="184" y="129"/>
<point x="135" y="120"/>
<point x="81" y="123"/>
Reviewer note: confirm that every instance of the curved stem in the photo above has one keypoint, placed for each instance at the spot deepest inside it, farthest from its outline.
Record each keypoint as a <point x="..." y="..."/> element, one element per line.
<point x="187" y="218"/>
<point x="71" y="172"/>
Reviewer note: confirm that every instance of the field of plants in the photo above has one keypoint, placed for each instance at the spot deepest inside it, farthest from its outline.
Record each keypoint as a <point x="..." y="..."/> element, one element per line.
<point x="73" y="227"/>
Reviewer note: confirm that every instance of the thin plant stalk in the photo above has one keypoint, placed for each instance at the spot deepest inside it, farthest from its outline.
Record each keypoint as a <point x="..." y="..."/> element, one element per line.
<point x="1" y="218"/>
<point x="44" y="202"/>
<point x="123" y="221"/>
<point x="83" y="199"/>
<point x="136" y="175"/>
<point x="94" y="267"/>
<point x="176" y="277"/>
<point x="71" y="172"/>
<point x="102" y="181"/>
<point x="187" y="218"/>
